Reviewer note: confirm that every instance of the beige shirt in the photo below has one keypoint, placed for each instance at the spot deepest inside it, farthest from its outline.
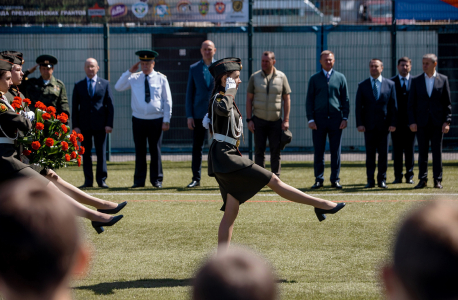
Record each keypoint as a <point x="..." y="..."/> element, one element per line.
<point x="268" y="92"/>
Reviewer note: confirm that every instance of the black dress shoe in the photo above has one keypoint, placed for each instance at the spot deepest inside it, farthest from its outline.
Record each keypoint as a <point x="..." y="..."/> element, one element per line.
<point x="397" y="180"/>
<point x="158" y="185"/>
<point x="421" y="184"/>
<point x="85" y="186"/>
<point x="336" y="185"/>
<point x="321" y="213"/>
<point x="98" y="225"/>
<point x="194" y="183"/>
<point x="137" y="185"/>
<point x="410" y="181"/>
<point x="382" y="184"/>
<point x="437" y="184"/>
<point x="317" y="185"/>
<point x="103" y="185"/>
<point x="369" y="185"/>
<point x="113" y="211"/>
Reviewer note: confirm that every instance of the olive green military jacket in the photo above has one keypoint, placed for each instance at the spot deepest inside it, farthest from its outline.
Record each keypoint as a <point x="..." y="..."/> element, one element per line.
<point x="13" y="92"/>
<point x="51" y="94"/>
<point x="10" y="122"/>
<point x="224" y="157"/>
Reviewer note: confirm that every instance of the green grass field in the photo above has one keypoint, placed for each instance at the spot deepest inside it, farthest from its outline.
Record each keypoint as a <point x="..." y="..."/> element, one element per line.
<point x="165" y="234"/>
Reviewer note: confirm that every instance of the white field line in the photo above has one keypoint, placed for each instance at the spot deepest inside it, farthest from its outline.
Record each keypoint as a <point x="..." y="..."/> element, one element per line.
<point x="275" y="195"/>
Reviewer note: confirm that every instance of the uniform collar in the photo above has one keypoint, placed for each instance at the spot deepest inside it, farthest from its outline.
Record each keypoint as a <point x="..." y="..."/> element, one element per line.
<point x="274" y="71"/>
<point x="52" y="80"/>
<point x="14" y="90"/>
<point x="150" y="74"/>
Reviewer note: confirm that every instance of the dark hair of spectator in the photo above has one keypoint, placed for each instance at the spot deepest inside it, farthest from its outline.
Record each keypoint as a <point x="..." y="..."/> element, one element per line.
<point x="404" y="59"/>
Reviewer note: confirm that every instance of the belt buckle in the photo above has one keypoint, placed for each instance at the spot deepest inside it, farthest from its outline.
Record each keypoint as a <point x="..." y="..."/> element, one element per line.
<point x="237" y="144"/>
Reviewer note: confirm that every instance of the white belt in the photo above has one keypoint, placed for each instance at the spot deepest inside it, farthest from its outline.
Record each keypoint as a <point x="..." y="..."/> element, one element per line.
<point x="224" y="138"/>
<point x="4" y="140"/>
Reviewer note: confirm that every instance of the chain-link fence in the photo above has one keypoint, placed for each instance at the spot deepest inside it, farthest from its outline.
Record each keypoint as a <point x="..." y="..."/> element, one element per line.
<point x="296" y="31"/>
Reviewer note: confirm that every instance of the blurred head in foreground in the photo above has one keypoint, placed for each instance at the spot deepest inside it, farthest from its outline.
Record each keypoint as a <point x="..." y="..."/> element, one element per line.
<point x="237" y="274"/>
<point x="40" y="243"/>
<point x="425" y="258"/>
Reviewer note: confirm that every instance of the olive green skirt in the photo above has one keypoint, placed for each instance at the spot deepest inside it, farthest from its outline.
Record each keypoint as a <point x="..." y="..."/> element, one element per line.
<point x="28" y="173"/>
<point x="242" y="184"/>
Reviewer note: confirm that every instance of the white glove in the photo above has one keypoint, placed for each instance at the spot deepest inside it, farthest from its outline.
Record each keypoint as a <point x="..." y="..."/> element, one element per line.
<point x="230" y="83"/>
<point x="206" y="121"/>
<point x="29" y="115"/>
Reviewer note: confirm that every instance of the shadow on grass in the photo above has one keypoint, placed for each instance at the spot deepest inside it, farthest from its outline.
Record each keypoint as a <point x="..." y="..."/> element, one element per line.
<point x="107" y="288"/>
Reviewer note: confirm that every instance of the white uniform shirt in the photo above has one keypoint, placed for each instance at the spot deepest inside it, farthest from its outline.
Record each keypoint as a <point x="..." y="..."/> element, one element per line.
<point x="160" y="105"/>
<point x="430" y="83"/>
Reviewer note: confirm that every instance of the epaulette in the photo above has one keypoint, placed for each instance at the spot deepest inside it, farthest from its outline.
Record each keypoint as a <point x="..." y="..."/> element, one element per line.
<point x="60" y="81"/>
<point x="222" y="93"/>
<point x="161" y="74"/>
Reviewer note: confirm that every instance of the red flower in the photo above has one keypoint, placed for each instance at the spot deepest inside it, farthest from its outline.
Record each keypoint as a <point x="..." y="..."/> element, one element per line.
<point x="40" y="105"/>
<point x="49" y="142"/>
<point x="40" y="126"/>
<point x="27" y="100"/>
<point x="51" y="110"/>
<point x="17" y="98"/>
<point x="15" y="105"/>
<point x="77" y="147"/>
<point x="79" y="162"/>
<point x="36" y="145"/>
<point x="63" y="117"/>
<point x="82" y="150"/>
<point x="56" y="133"/>
<point x="74" y="132"/>
<point x="64" y="128"/>
<point x="64" y="146"/>
<point x="67" y="157"/>
<point x="46" y="116"/>
<point x="80" y="137"/>
<point x="73" y="155"/>
<point x="26" y="152"/>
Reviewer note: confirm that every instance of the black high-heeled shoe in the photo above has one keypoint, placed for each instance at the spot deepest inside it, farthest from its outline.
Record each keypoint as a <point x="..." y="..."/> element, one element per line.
<point x="321" y="213"/>
<point x="115" y="210"/>
<point x="98" y="225"/>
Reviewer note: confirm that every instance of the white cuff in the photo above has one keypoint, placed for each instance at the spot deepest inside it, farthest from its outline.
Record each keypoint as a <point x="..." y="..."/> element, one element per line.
<point x="311" y="121"/>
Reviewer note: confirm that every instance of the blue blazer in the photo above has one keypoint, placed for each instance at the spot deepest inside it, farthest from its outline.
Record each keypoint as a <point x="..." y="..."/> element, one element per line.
<point x="197" y="93"/>
<point x="92" y="112"/>
<point x="372" y="113"/>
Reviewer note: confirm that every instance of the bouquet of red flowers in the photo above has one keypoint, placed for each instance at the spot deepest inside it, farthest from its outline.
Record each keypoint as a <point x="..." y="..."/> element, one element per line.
<point x="49" y="144"/>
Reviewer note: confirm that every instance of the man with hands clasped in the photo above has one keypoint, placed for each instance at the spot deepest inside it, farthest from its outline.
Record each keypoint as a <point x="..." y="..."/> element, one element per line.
<point x="151" y="113"/>
<point x="375" y="110"/>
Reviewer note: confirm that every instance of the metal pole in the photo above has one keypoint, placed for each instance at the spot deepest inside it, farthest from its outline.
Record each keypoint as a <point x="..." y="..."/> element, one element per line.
<point x="106" y="64"/>
<point x="393" y="39"/>
<point x="250" y="66"/>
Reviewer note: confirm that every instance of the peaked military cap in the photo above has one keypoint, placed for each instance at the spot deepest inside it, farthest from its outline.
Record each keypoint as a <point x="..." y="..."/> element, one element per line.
<point x="222" y="66"/>
<point x="16" y="55"/>
<point x="286" y="138"/>
<point x="46" y="60"/>
<point x="147" y="55"/>
<point x="6" y="62"/>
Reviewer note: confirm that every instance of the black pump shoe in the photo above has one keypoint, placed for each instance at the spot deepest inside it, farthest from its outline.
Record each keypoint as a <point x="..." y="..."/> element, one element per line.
<point x="98" y="225"/>
<point x="321" y="213"/>
<point x="115" y="210"/>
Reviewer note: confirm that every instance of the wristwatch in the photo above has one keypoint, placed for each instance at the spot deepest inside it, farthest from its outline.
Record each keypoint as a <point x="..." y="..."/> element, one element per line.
<point x="248" y="120"/>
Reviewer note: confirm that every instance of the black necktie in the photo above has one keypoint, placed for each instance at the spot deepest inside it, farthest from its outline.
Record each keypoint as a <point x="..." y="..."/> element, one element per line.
<point x="147" y="92"/>
<point x="91" y="90"/>
<point x="404" y="86"/>
<point x="375" y="90"/>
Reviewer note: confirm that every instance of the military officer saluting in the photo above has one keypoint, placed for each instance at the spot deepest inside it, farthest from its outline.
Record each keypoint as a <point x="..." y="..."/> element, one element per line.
<point x="46" y="88"/>
<point x="16" y="75"/>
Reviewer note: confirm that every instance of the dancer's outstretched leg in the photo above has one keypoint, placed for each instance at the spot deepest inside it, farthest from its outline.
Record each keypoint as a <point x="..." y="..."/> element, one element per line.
<point x="227" y="223"/>
<point x="78" y="194"/>
<point x="288" y="192"/>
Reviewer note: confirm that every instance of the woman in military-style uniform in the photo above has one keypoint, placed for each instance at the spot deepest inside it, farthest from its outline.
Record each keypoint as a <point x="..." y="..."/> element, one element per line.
<point x="12" y="168"/>
<point x="238" y="177"/>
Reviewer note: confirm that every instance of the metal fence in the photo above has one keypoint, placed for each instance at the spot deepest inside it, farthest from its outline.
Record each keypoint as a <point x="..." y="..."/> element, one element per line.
<point x="296" y="49"/>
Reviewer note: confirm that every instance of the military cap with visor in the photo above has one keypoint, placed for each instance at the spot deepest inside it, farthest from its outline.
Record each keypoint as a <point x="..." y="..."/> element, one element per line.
<point x="17" y="56"/>
<point x="147" y="55"/>
<point x="46" y="60"/>
<point x="225" y="65"/>
<point x="6" y="62"/>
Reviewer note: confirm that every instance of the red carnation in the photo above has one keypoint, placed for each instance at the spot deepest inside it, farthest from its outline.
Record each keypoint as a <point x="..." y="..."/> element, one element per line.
<point x="40" y="126"/>
<point x="40" y="105"/>
<point x="82" y="150"/>
<point x="80" y="137"/>
<point x="26" y="152"/>
<point x="17" y="98"/>
<point x="63" y="117"/>
<point x="27" y="100"/>
<point x="79" y="162"/>
<point x="73" y="155"/>
<point x="77" y="147"/>
<point x="51" y="110"/>
<point x="67" y="157"/>
<point x="64" y="128"/>
<point x="46" y="116"/>
<point x="15" y="105"/>
<point x="49" y="142"/>
<point x="64" y="146"/>
<point x="36" y="145"/>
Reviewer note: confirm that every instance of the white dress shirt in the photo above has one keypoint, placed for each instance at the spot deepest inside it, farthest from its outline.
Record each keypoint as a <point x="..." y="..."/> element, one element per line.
<point x="430" y="83"/>
<point x="378" y="82"/>
<point x="406" y="80"/>
<point x="160" y="105"/>
<point x="94" y="81"/>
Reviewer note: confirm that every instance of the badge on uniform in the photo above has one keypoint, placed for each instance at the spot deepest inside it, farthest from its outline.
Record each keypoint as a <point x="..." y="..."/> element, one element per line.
<point x="3" y="108"/>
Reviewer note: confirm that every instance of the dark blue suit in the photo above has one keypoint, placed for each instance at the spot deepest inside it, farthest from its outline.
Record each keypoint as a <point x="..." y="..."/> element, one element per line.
<point x="91" y="115"/>
<point x="376" y="116"/>
<point x="197" y="96"/>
